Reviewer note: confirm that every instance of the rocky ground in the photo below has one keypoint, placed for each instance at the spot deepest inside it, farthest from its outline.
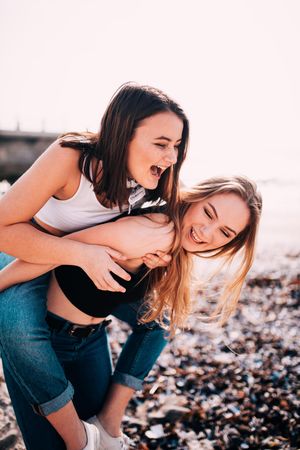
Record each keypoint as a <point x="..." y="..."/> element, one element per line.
<point x="235" y="390"/>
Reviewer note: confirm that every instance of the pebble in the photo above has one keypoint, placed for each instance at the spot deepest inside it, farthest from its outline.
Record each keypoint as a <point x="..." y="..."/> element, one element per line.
<point x="240" y="387"/>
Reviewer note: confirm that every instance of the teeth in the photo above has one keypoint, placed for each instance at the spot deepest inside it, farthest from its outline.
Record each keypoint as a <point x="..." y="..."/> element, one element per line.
<point x="195" y="237"/>
<point x="156" y="171"/>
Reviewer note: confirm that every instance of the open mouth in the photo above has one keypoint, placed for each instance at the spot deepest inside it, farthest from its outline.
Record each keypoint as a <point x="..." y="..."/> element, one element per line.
<point x="194" y="236"/>
<point x="156" y="171"/>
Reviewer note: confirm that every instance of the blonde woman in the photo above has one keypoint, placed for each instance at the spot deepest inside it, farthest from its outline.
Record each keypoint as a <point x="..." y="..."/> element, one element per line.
<point x="217" y="218"/>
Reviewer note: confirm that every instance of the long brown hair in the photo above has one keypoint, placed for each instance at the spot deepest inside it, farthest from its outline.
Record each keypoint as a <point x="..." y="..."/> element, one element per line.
<point x="130" y="105"/>
<point x="170" y="292"/>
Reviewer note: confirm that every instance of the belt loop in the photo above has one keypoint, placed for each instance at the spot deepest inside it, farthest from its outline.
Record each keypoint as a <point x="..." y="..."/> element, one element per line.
<point x="38" y="410"/>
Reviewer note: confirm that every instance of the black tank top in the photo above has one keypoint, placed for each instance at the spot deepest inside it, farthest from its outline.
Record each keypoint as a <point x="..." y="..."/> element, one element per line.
<point x="82" y="293"/>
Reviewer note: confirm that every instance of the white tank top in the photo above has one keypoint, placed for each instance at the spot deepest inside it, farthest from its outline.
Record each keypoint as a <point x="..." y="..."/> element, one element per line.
<point x="83" y="210"/>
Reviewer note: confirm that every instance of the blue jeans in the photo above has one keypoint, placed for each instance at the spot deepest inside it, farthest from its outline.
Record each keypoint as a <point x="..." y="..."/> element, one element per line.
<point x="31" y="365"/>
<point x="87" y="365"/>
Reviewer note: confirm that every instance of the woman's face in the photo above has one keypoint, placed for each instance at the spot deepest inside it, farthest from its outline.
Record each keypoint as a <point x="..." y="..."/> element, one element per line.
<point x="154" y="148"/>
<point x="212" y="223"/>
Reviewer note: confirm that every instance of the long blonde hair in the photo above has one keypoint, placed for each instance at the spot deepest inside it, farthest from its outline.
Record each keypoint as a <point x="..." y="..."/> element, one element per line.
<point x="169" y="296"/>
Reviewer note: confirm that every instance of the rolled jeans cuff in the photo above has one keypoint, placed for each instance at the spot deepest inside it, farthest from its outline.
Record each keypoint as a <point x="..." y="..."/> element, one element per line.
<point x="127" y="380"/>
<point x="51" y="406"/>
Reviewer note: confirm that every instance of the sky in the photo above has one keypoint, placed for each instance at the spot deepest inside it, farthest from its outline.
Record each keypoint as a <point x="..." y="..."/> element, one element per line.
<point x="233" y="65"/>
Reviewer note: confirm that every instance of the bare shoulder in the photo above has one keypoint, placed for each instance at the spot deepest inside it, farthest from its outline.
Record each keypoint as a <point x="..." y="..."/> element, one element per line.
<point x="158" y="218"/>
<point x="65" y="155"/>
<point x="134" y="236"/>
<point x="57" y="167"/>
<point x="148" y="233"/>
<point x="52" y="172"/>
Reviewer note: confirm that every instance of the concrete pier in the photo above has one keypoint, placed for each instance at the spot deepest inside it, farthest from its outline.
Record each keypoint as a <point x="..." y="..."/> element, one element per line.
<point x="19" y="149"/>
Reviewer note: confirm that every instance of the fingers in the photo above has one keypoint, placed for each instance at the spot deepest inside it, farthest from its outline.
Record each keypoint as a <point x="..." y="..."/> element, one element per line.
<point x="158" y="259"/>
<point x="165" y="257"/>
<point x="151" y="261"/>
<point x="115" y="254"/>
<point x="112" y="284"/>
<point x="100" y="270"/>
<point x="117" y="270"/>
<point x="108" y="283"/>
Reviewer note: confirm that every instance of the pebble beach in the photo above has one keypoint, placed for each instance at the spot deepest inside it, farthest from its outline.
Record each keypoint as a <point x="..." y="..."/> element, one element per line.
<point x="234" y="389"/>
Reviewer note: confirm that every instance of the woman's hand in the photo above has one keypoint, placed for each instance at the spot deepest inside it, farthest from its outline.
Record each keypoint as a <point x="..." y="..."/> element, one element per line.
<point x="157" y="259"/>
<point x="97" y="262"/>
<point x="136" y="237"/>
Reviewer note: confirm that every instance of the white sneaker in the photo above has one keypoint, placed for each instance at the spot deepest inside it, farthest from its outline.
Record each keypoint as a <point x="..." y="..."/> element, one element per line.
<point x="108" y="442"/>
<point x="93" y="437"/>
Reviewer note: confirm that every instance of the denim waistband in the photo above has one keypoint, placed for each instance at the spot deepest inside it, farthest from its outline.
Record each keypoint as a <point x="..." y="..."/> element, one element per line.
<point x="72" y="329"/>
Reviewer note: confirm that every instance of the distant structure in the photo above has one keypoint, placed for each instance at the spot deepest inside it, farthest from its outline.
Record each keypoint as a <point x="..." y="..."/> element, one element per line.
<point x="19" y="149"/>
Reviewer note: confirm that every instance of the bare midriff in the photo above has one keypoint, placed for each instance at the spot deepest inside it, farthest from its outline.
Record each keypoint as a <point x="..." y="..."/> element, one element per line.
<point x="58" y="304"/>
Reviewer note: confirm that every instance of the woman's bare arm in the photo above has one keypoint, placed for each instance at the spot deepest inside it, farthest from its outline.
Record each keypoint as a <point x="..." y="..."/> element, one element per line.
<point x="133" y="236"/>
<point x="52" y="174"/>
<point x="19" y="271"/>
<point x="49" y="175"/>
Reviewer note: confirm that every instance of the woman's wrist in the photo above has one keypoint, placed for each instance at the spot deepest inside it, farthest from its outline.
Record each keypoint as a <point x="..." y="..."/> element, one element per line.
<point x="76" y="254"/>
